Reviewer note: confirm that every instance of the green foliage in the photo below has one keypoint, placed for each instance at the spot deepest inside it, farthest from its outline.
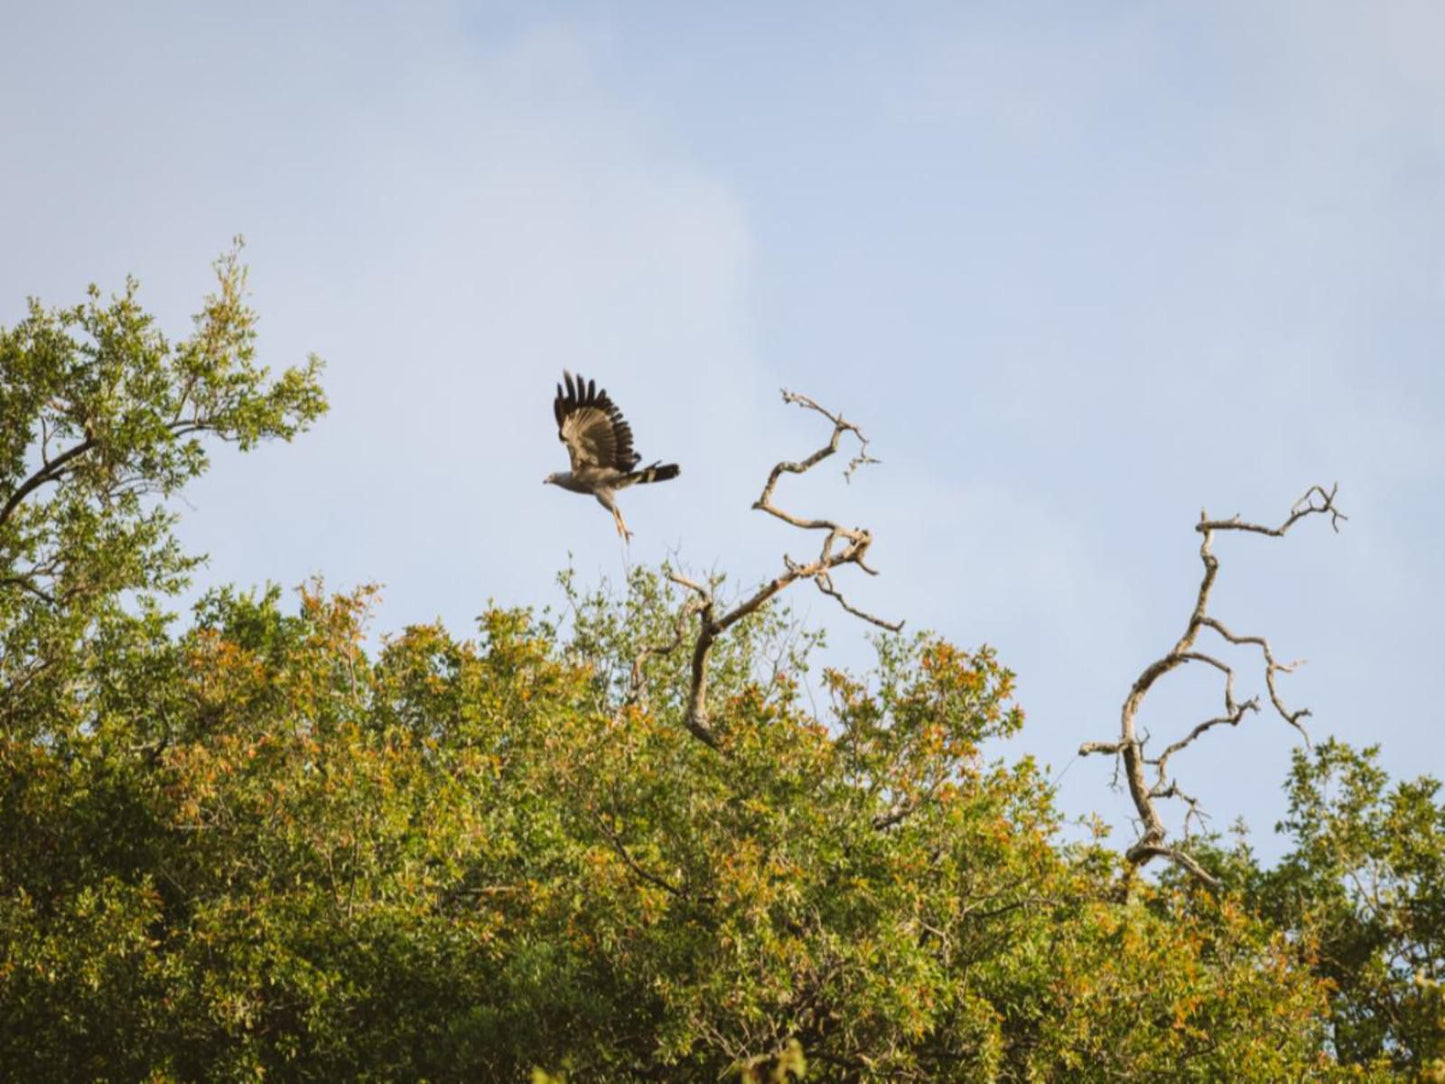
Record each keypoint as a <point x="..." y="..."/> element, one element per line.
<point x="254" y="848"/>
<point x="471" y="859"/>
<point x="100" y="418"/>
<point x="1366" y="882"/>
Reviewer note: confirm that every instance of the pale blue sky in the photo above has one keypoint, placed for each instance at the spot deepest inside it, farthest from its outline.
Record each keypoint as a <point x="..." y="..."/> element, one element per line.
<point x="1077" y="269"/>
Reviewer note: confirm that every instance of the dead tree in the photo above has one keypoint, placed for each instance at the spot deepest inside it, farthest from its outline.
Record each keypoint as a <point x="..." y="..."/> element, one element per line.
<point x="841" y="546"/>
<point x="1129" y="748"/>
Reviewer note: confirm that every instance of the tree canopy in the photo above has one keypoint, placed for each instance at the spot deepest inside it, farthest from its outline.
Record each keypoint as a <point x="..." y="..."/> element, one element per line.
<point x="269" y="842"/>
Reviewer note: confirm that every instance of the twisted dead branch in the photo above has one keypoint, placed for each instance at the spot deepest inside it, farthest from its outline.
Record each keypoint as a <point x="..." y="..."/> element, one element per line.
<point x="841" y="546"/>
<point x="1146" y="794"/>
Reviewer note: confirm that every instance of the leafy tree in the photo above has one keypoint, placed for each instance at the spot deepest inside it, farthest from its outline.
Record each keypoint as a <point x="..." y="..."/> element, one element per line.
<point x="100" y="415"/>
<point x="1365" y="883"/>
<point x="466" y="859"/>
<point x="101" y="419"/>
<point x="252" y="847"/>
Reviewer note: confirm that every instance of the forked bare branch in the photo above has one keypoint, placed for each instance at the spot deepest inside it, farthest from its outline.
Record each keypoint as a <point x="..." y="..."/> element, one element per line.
<point x="1315" y="501"/>
<point x="1130" y="745"/>
<point x="841" y="546"/>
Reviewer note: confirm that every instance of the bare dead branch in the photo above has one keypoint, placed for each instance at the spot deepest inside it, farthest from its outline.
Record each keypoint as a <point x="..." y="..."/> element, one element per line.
<point x="1272" y="667"/>
<point x="825" y="585"/>
<point x="695" y="717"/>
<point x="841" y="546"/>
<point x="1138" y="855"/>
<point x="1233" y="718"/>
<point x="1129" y="749"/>
<point x="1316" y="501"/>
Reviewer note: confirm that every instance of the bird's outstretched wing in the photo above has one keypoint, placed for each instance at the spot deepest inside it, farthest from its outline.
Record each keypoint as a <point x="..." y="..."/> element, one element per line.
<point x="592" y="427"/>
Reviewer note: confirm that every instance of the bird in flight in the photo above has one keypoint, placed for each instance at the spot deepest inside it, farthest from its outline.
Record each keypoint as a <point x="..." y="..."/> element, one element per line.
<point x="599" y="443"/>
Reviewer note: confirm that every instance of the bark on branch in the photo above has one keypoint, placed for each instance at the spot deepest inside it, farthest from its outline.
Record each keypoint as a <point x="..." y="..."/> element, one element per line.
<point x="840" y="546"/>
<point x="54" y="469"/>
<point x="1129" y="747"/>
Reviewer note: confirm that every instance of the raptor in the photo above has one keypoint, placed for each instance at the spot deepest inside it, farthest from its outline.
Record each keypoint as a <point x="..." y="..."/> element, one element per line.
<point x="599" y="444"/>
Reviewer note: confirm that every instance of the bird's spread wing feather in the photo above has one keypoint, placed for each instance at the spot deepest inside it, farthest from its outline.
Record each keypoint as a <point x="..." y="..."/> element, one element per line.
<point x="592" y="427"/>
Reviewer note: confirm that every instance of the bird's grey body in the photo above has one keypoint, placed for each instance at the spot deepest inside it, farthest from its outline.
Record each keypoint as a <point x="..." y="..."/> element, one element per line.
<point x="599" y="443"/>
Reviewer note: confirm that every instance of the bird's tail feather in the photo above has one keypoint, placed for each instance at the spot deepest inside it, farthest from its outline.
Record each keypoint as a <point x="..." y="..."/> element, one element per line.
<point x="657" y="472"/>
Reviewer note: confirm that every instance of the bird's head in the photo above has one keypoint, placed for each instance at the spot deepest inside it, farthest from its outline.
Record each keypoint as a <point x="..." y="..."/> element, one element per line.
<point x="550" y="480"/>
